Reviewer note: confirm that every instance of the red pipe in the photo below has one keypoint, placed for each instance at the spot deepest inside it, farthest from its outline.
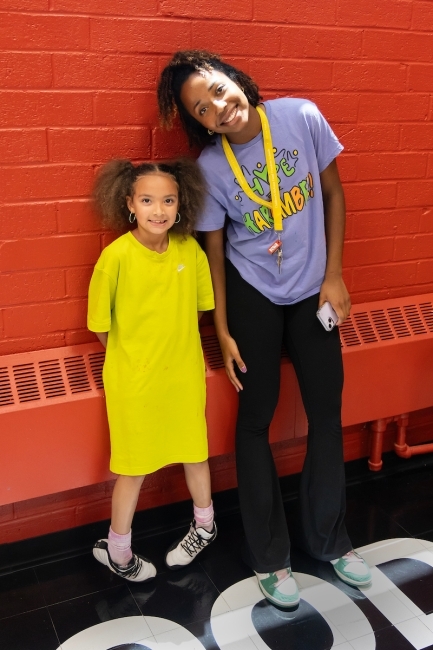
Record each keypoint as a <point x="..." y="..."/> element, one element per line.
<point x="378" y="427"/>
<point x="401" y="448"/>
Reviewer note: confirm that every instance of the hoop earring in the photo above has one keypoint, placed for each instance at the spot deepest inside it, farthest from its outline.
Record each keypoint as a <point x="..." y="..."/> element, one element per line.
<point x="210" y="132"/>
<point x="131" y="217"/>
<point x="177" y="218"/>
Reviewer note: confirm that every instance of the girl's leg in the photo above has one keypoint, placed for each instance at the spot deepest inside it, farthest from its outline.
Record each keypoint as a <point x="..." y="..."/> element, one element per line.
<point x="197" y="476"/>
<point x="117" y="553"/>
<point x="256" y="324"/>
<point x="123" y="504"/>
<point x="202" y="531"/>
<point x="316" y="356"/>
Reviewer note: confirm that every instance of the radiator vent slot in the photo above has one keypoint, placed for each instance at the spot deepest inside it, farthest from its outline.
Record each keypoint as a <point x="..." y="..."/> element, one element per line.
<point x="96" y="360"/>
<point x="26" y="382"/>
<point x="77" y="374"/>
<point x="414" y="319"/>
<point x="52" y="379"/>
<point x="48" y="375"/>
<point x="348" y="334"/>
<point x="45" y="376"/>
<point x="427" y="311"/>
<point x="365" y="328"/>
<point x="397" y="319"/>
<point x="383" y="328"/>
<point x="6" y="395"/>
<point x="212" y="352"/>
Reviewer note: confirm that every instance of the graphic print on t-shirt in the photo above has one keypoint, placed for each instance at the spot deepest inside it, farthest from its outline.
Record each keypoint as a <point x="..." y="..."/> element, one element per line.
<point x="292" y="201"/>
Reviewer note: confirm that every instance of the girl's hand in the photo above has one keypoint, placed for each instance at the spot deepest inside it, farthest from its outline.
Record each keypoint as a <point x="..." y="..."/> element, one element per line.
<point x="333" y="290"/>
<point x="231" y="356"/>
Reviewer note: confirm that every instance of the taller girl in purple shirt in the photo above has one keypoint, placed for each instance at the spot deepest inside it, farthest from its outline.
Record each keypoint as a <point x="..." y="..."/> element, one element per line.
<point x="261" y="305"/>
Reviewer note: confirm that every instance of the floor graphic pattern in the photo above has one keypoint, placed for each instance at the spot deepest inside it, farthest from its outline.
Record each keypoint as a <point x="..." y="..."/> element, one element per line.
<point x="215" y="604"/>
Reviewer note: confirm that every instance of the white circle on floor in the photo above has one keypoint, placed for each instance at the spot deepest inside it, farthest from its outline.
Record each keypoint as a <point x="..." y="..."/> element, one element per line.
<point x="236" y="626"/>
<point x="149" y="631"/>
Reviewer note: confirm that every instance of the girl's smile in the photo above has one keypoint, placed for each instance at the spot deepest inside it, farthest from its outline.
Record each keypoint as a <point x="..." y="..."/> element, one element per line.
<point x="218" y="103"/>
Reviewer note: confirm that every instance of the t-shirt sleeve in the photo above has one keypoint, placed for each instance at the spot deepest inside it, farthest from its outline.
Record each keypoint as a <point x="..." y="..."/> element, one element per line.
<point x="205" y="297"/>
<point x="326" y="143"/>
<point x="214" y="213"/>
<point x="102" y="292"/>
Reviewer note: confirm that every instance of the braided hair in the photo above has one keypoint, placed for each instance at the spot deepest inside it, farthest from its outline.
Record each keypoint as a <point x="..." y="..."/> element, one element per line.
<point x="115" y="182"/>
<point x="182" y="65"/>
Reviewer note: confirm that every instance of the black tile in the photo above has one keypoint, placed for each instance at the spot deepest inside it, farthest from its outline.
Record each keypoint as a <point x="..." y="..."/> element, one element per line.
<point x="225" y="569"/>
<point x="299" y="629"/>
<point x="74" y="615"/>
<point x="74" y="577"/>
<point x="372" y="524"/>
<point x="414" y="578"/>
<point x="19" y="592"/>
<point x="155" y="548"/>
<point x="185" y="596"/>
<point x="406" y="498"/>
<point x="30" y="631"/>
<point x="428" y="536"/>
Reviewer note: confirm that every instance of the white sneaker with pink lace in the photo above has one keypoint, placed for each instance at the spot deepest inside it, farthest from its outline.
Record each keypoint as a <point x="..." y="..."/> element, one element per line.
<point x="352" y="569"/>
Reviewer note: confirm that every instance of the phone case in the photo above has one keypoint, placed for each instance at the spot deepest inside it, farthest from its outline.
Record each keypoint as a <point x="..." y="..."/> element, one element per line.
<point x="327" y="316"/>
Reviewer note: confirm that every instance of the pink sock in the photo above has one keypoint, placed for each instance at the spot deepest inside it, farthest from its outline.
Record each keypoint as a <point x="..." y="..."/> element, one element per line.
<point x="119" y="547"/>
<point x="204" y="517"/>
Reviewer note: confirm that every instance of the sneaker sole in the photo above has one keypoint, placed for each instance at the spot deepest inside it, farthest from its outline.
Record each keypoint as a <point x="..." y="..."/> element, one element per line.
<point x="276" y="602"/>
<point x="102" y="556"/>
<point x="353" y="583"/>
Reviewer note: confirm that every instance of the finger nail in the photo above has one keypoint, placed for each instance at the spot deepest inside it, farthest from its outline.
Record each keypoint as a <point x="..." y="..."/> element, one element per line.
<point x="243" y="369"/>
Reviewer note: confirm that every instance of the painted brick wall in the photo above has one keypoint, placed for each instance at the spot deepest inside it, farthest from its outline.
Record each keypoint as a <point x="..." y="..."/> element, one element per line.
<point x="77" y="81"/>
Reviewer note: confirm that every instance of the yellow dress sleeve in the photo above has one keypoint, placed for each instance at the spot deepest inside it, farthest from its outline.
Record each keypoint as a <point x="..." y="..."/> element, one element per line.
<point x="102" y="293"/>
<point x="205" y="296"/>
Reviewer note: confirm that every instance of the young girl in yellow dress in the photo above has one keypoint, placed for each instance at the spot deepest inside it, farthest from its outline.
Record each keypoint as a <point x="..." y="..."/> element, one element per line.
<point x="146" y="296"/>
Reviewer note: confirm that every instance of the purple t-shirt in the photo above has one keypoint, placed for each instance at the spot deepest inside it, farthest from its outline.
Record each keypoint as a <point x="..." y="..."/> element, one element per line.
<point x="304" y="145"/>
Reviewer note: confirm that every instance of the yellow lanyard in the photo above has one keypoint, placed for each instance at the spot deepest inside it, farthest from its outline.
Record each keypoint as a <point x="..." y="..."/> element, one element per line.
<point x="275" y="203"/>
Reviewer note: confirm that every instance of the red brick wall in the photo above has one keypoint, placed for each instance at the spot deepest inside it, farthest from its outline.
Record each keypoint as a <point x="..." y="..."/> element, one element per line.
<point x="77" y="85"/>
<point x="77" y="82"/>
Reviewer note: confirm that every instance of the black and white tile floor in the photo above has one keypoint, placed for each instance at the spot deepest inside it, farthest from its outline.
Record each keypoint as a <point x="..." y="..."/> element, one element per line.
<point x="76" y="604"/>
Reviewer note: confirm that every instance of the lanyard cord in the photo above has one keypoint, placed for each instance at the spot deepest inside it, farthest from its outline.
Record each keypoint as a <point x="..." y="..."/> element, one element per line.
<point x="275" y="203"/>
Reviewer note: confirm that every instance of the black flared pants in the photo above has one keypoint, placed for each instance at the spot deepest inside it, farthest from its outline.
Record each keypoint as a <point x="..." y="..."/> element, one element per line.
<point x="260" y="328"/>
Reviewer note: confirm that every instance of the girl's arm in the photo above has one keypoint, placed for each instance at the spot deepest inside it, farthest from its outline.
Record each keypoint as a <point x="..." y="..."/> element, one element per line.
<point x="214" y="244"/>
<point x="333" y="288"/>
<point x="103" y="337"/>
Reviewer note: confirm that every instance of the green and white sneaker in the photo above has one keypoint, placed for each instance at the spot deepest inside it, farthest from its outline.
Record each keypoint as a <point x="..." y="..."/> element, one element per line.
<point x="352" y="569"/>
<point x="280" y="591"/>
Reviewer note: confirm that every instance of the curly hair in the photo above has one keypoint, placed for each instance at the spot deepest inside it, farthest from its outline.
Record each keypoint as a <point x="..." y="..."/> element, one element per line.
<point x="115" y="182"/>
<point x="182" y="65"/>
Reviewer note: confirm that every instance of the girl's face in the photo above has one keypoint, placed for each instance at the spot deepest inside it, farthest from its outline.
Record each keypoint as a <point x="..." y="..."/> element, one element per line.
<point x="216" y="102"/>
<point x="155" y="203"/>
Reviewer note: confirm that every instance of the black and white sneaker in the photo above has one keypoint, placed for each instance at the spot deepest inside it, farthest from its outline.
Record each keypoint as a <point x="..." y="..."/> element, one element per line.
<point x="139" y="569"/>
<point x="186" y="549"/>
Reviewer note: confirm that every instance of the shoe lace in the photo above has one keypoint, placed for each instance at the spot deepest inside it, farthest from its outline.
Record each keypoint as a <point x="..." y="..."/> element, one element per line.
<point x="352" y="556"/>
<point x="193" y="543"/>
<point x="131" y="570"/>
<point x="282" y="577"/>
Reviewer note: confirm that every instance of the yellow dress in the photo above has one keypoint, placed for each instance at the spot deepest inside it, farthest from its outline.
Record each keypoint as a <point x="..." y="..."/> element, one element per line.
<point x="154" y="374"/>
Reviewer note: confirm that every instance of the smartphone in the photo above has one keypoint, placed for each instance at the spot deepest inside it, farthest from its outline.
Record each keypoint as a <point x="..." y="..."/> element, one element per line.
<point x="327" y="316"/>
